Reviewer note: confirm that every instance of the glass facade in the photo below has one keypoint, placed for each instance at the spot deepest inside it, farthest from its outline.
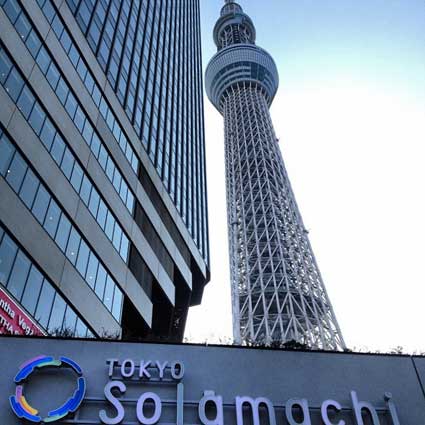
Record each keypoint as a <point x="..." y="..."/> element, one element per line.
<point x="22" y="179"/>
<point x="24" y="281"/>
<point x="150" y="53"/>
<point x="102" y="150"/>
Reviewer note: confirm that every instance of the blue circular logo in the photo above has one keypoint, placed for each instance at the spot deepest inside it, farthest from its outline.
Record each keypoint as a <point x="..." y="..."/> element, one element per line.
<point x="21" y="407"/>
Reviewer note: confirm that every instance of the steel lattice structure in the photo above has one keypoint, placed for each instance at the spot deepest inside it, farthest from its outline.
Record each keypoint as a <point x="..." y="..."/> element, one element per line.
<point x="277" y="291"/>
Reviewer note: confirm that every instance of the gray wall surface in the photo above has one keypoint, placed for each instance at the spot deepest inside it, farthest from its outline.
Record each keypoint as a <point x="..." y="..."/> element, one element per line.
<point x="228" y="371"/>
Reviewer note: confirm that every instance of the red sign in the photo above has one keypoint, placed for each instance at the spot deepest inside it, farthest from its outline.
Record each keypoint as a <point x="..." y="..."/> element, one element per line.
<point x="13" y="320"/>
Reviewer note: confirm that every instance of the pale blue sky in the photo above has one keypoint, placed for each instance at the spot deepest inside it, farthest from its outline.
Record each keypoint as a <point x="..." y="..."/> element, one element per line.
<point x="350" y="115"/>
<point x="382" y="41"/>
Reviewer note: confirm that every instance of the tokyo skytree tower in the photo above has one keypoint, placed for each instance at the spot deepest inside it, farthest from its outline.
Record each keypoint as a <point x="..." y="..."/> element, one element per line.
<point x="277" y="290"/>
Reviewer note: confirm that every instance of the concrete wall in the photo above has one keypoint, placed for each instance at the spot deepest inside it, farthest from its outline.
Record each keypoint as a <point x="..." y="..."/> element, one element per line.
<point x="227" y="371"/>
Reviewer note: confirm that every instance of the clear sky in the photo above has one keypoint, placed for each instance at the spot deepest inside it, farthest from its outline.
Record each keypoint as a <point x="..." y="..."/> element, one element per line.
<point x="350" y="115"/>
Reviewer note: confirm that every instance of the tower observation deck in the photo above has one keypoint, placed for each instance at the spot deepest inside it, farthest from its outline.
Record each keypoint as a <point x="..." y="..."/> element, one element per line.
<point x="277" y="291"/>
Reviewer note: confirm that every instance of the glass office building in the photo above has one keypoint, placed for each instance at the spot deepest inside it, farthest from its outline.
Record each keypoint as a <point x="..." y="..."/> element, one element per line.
<point x="103" y="208"/>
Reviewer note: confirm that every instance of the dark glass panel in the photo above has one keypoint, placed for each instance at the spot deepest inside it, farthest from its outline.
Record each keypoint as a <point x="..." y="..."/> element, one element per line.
<point x="52" y="218"/>
<point x="29" y="188"/>
<point x="109" y="293"/>
<point x="101" y="214"/>
<point x="36" y="119"/>
<point x="85" y="190"/>
<point x="62" y="91"/>
<point x="5" y="66"/>
<point x="117" y="304"/>
<point x="32" y="290"/>
<point x="8" y="251"/>
<point x="67" y="163"/>
<point x="58" y="148"/>
<point x="100" y="282"/>
<point x="91" y="273"/>
<point x="41" y="204"/>
<point x="81" y="329"/>
<point x="14" y="84"/>
<point x="26" y="102"/>
<point x="33" y="43"/>
<point x="19" y="275"/>
<point x="16" y="172"/>
<point x="43" y="60"/>
<point x="62" y="233"/>
<point x="77" y="177"/>
<point x="73" y="245"/>
<point x="6" y="153"/>
<point x="47" y="134"/>
<point x="23" y="26"/>
<point x="57" y="315"/>
<point x="44" y="305"/>
<point x="83" y="258"/>
<point x="70" y="321"/>
<point x="53" y="75"/>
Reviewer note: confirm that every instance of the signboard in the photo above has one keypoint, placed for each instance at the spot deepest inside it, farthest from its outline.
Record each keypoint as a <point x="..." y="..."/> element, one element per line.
<point x="92" y="382"/>
<point x="13" y="320"/>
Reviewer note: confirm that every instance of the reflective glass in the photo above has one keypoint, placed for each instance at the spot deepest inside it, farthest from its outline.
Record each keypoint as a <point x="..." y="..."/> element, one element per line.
<point x="101" y="214"/>
<point x="44" y="306"/>
<point x="33" y="43"/>
<point x="65" y="41"/>
<point x="85" y="190"/>
<point x="53" y="75"/>
<point x="16" y="172"/>
<point x="69" y="321"/>
<point x="23" y="26"/>
<point x="58" y="148"/>
<point x="116" y="240"/>
<point x="124" y="247"/>
<point x="109" y="229"/>
<point x="100" y="282"/>
<point x="87" y="132"/>
<point x="63" y="232"/>
<point x="73" y="56"/>
<point x="43" y="59"/>
<point x="14" y="84"/>
<point x="32" y="290"/>
<point x="12" y="9"/>
<point x="8" y="250"/>
<point x="48" y="11"/>
<point x="83" y="258"/>
<point x="67" y="163"/>
<point x="62" y="91"/>
<point x="77" y="177"/>
<point x="26" y="102"/>
<point x="81" y="329"/>
<point x="82" y="69"/>
<point x="73" y="245"/>
<point x="94" y="202"/>
<point x="91" y="273"/>
<point x="47" y="134"/>
<point x="57" y="26"/>
<point x="18" y="276"/>
<point x="41" y="203"/>
<point x="79" y="119"/>
<point x="5" y="66"/>
<point x="6" y="153"/>
<point x="110" y="168"/>
<point x="29" y="188"/>
<point x="95" y="145"/>
<point x="36" y="119"/>
<point x="109" y="293"/>
<point x="52" y="218"/>
<point x="57" y="315"/>
<point x="117" y="304"/>
<point x="71" y="105"/>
